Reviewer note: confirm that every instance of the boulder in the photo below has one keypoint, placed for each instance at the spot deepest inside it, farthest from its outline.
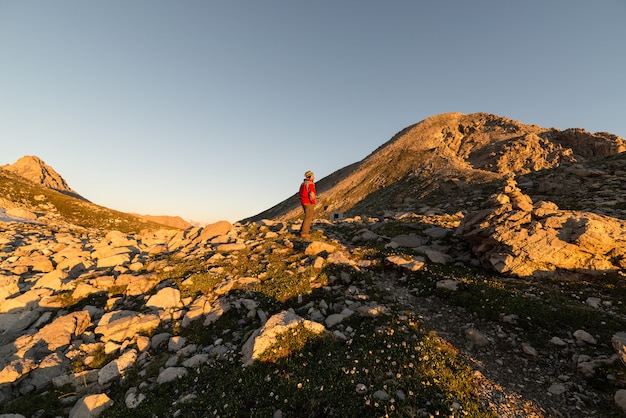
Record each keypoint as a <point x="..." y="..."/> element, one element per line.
<point x="136" y="284"/>
<point x="200" y="306"/>
<point x="115" y="368"/>
<point x="52" y="366"/>
<point x="410" y="241"/>
<point x="21" y="213"/>
<point x="215" y="229"/>
<point x="52" y="280"/>
<point x="112" y="261"/>
<point x="118" y="326"/>
<point x="8" y="286"/>
<point x="59" y="333"/>
<point x="90" y="406"/>
<point x="414" y="263"/>
<point x="166" y="298"/>
<point x="264" y="337"/>
<point x="230" y="247"/>
<point x="171" y="374"/>
<point x="29" y="299"/>
<point x="54" y="336"/>
<point x="316" y="247"/>
<point x="16" y="369"/>
<point x="36" y="263"/>
<point x="17" y="321"/>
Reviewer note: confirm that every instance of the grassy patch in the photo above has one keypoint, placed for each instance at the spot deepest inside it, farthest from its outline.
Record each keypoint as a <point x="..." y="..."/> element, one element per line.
<point x="545" y="308"/>
<point x="72" y="209"/>
<point x="46" y="404"/>
<point x="391" y="367"/>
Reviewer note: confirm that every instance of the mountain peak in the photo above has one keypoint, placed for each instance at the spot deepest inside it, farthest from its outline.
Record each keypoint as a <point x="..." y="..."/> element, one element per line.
<point x="36" y="170"/>
<point x="449" y="149"/>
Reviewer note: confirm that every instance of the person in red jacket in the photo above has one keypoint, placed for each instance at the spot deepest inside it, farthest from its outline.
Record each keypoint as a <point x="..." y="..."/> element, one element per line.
<point x="307" y="199"/>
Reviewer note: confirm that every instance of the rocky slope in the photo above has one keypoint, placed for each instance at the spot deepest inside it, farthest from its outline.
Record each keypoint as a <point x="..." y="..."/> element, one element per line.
<point x="32" y="190"/>
<point x="116" y="324"/>
<point x="448" y="154"/>
<point x="491" y="285"/>
<point x="34" y="169"/>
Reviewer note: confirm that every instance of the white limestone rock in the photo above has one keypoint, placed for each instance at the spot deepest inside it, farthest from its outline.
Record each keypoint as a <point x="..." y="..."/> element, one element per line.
<point x="90" y="406"/>
<point x="170" y="374"/>
<point x="117" y="367"/>
<point x="266" y="336"/>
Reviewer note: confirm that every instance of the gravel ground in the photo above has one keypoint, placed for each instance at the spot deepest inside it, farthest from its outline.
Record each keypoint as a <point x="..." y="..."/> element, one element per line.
<point x="510" y="382"/>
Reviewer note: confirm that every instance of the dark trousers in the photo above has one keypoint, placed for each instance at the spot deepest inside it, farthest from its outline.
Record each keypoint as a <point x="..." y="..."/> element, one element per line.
<point x="308" y="218"/>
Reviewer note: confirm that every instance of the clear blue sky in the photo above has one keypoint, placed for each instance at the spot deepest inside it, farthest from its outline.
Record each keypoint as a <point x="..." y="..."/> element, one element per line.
<point x="213" y="110"/>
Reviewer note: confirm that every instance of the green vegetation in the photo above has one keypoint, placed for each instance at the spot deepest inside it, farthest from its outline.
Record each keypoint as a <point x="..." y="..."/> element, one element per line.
<point x="50" y="403"/>
<point x="543" y="308"/>
<point x="68" y="208"/>
<point x="390" y="367"/>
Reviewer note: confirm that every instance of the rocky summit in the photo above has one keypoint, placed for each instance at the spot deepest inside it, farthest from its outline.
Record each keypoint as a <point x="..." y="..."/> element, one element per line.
<point x="34" y="169"/>
<point x="507" y="301"/>
<point x="448" y="157"/>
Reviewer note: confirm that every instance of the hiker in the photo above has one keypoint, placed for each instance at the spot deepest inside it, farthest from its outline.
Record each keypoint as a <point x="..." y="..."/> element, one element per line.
<point x="307" y="199"/>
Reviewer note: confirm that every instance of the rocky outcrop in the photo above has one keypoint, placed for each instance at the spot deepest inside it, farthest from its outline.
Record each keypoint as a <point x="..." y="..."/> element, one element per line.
<point x="526" y="239"/>
<point x="34" y="169"/>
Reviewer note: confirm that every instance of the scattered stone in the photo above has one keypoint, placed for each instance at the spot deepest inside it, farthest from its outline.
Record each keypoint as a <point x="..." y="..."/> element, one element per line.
<point x="171" y="374"/>
<point x="448" y="284"/>
<point x="476" y="338"/>
<point x="121" y="275"/>
<point x="415" y="263"/>
<point x="529" y="350"/>
<point x="90" y="406"/>
<point x="133" y="399"/>
<point x="557" y="388"/>
<point x="117" y="367"/>
<point x="584" y="336"/>
<point x="558" y="342"/>
<point x="166" y="298"/>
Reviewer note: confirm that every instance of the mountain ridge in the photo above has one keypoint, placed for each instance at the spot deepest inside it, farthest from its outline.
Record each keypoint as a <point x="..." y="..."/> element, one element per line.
<point x="38" y="201"/>
<point x="450" y="147"/>
<point x="34" y="169"/>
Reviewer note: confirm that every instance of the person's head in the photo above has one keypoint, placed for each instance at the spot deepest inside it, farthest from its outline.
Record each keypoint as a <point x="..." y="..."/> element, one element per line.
<point x="309" y="175"/>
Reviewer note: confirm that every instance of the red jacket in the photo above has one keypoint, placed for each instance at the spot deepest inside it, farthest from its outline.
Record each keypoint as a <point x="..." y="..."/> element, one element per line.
<point x="307" y="192"/>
